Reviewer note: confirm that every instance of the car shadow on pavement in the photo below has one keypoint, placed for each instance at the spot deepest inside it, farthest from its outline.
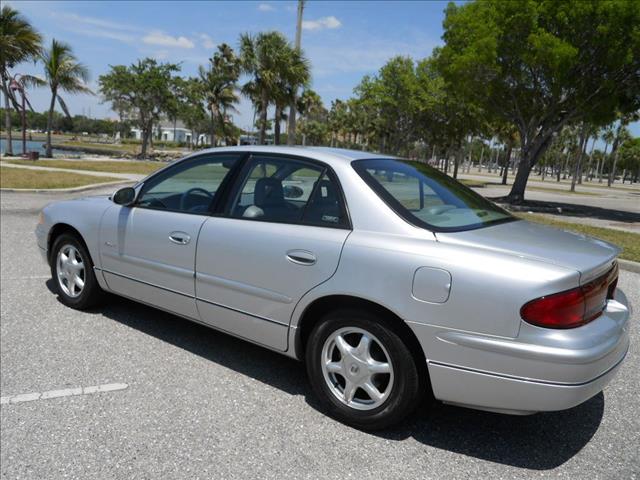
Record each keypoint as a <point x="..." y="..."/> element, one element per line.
<point x="542" y="441"/>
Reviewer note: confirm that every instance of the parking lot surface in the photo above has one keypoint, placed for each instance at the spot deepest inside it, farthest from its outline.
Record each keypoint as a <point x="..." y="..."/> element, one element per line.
<point x="194" y="403"/>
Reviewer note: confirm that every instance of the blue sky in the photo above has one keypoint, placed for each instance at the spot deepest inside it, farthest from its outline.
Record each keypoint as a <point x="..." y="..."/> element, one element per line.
<point x="344" y="40"/>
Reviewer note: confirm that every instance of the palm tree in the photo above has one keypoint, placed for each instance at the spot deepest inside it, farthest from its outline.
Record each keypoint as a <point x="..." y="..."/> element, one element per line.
<point x="63" y="72"/>
<point x="273" y="63"/>
<point x="295" y="74"/>
<point x="291" y="132"/>
<point x="220" y="84"/>
<point x="19" y="42"/>
<point x="608" y="136"/>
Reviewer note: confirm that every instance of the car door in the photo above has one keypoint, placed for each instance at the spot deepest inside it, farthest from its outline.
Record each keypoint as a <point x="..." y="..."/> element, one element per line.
<point x="282" y="235"/>
<point x="147" y="250"/>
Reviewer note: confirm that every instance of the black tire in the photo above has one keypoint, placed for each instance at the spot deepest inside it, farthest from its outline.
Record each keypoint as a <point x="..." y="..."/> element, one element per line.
<point x="407" y="388"/>
<point x="91" y="293"/>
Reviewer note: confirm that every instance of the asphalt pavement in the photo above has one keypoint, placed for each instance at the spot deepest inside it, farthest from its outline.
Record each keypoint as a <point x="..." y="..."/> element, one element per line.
<point x="195" y="403"/>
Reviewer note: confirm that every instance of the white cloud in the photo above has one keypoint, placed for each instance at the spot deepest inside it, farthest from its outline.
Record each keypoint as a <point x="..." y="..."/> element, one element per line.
<point x="96" y="22"/>
<point x="159" y="38"/>
<point x="104" y="33"/>
<point x="265" y="7"/>
<point x="322" y="23"/>
<point x="206" y="41"/>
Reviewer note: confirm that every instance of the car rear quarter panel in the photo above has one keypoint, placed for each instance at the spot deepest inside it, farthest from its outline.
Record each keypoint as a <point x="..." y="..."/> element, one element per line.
<point x="487" y="288"/>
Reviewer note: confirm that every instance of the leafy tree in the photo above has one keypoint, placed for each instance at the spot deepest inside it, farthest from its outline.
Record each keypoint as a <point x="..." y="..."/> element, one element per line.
<point x="313" y="118"/>
<point x="191" y="98"/>
<point x="542" y="65"/>
<point x="220" y="85"/>
<point x="63" y="73"/>
<point x="144" y="88"/>
<point x="392" y="95"/>
<point x="19" y="42"/>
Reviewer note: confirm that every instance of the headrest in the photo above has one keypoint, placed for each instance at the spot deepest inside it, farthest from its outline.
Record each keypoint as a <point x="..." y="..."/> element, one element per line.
<point x="268" y="191"/>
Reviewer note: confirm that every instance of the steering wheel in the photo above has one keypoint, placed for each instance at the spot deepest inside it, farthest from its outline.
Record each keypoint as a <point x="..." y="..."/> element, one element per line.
<point x="185" y="196"/>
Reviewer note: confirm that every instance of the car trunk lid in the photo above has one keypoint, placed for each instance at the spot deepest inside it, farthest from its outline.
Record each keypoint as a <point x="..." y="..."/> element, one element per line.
<point x="590" y="256"/>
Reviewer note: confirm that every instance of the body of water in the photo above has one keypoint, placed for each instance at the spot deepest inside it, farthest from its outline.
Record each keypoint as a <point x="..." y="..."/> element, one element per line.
<point x="32" y="146"/>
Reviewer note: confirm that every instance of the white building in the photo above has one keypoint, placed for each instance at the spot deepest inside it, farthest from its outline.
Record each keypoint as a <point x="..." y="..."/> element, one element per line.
<point x="171" y="132"/>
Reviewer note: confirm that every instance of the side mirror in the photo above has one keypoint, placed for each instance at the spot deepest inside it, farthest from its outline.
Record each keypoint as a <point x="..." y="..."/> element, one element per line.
<point x="125" y="196"/>
<point x="292" y="191"/>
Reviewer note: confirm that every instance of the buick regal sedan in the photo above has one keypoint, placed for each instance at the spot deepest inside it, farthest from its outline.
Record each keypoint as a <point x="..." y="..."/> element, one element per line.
<point x="389" y="279"/>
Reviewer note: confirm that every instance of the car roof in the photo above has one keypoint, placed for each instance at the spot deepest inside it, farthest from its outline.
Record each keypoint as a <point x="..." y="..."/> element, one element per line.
<point x="325" y="154"/>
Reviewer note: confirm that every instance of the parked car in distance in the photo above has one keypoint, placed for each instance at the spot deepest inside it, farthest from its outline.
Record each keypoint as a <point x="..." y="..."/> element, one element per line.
<point x="391" y="280"/>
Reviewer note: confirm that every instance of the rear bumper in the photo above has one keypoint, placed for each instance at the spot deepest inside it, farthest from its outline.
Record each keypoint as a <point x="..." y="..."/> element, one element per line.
<point x="516" y="396"/>
<point x="539" y="370"/>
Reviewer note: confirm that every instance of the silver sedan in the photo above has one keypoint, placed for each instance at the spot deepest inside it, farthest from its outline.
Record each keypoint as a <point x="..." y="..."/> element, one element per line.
<point x="391" y="280"/>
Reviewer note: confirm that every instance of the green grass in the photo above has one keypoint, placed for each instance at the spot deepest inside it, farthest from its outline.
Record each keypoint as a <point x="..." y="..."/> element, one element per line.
<point x="24" y="178"/>
<point x="96" y="166"/>
<point x="628" y="241"/>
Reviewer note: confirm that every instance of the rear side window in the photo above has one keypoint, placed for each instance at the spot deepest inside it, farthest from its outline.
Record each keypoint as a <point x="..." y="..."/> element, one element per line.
<point x="285" y="190"/>
<point x="428" y="198"/>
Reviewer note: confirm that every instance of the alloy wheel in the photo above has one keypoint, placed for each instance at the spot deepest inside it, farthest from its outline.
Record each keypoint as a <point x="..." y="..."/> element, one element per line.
<point x="357" y="368"/>
<point x="70" y="270"/>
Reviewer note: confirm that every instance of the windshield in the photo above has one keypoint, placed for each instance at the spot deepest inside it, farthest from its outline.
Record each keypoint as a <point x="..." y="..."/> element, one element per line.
<point x="427" y="197"/>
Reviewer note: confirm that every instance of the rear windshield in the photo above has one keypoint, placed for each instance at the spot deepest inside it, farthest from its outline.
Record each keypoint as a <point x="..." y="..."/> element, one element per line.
<point x="427" y="197"/>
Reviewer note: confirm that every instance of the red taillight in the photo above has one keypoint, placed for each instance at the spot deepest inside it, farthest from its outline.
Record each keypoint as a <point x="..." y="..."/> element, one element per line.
<point x="572" y="308"/>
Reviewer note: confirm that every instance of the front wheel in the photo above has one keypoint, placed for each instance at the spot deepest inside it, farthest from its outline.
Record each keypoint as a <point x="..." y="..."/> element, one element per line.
<point x="362" y="370"/>
<point x="72" y="273"/>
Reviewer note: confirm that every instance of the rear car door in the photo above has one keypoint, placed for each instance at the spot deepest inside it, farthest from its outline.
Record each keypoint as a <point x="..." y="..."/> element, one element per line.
<point x="148" y="250"/>
<point x="282" y="235"/>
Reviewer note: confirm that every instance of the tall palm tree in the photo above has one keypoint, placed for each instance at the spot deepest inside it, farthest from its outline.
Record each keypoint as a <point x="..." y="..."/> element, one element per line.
<point x="19" y="42"/>
<point x="63" y="72"/>
<point x="220" y="84"/>
<point x="291" y="132"/>
<point x="295" y="73"/>
<point x="608" y="136"/>
<point x="271" y="62"/>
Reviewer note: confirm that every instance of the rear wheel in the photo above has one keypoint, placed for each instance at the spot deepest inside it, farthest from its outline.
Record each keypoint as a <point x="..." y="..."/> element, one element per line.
<point x="362" y="370"/>
<point x="72" y="273"/>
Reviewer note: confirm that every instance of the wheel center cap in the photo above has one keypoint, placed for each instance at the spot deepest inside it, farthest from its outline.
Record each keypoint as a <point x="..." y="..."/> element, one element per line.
<point x="354" y="369"/>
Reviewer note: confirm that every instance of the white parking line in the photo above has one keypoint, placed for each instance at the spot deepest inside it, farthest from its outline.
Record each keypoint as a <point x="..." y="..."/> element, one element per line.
<point x="66" y="392"/>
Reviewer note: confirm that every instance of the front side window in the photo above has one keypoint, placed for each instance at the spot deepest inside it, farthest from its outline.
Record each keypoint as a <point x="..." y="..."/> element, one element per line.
<point x="428" y="198"/>
<point x="189" y="187"/>
<point x="275" y="189"/>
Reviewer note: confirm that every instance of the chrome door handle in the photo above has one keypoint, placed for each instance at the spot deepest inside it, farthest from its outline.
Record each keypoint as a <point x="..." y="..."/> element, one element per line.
<point x="179" y="238"/>
<point x="301" y="257"/>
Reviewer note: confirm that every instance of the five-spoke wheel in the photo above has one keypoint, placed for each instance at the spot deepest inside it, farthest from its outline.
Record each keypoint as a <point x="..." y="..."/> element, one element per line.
<point x="357" y="368"/>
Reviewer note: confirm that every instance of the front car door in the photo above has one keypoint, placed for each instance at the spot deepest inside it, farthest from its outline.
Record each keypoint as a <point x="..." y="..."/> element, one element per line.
<point x="148" y="250"/>
<point x="283" y="232"/>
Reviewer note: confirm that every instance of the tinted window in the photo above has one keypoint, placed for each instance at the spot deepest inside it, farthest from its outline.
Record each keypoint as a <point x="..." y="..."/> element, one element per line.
<point x="275" y="189"/>
<point x="190" y="186"/>
<point x="426" y="197"/>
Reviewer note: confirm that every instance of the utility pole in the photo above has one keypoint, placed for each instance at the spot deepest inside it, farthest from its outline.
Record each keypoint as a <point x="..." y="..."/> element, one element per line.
<point x="291" y="131"/>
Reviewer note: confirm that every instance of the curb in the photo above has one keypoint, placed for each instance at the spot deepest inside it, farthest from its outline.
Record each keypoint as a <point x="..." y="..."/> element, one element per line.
<point x="629" y="265"/>
<point x="66" y="190"/>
